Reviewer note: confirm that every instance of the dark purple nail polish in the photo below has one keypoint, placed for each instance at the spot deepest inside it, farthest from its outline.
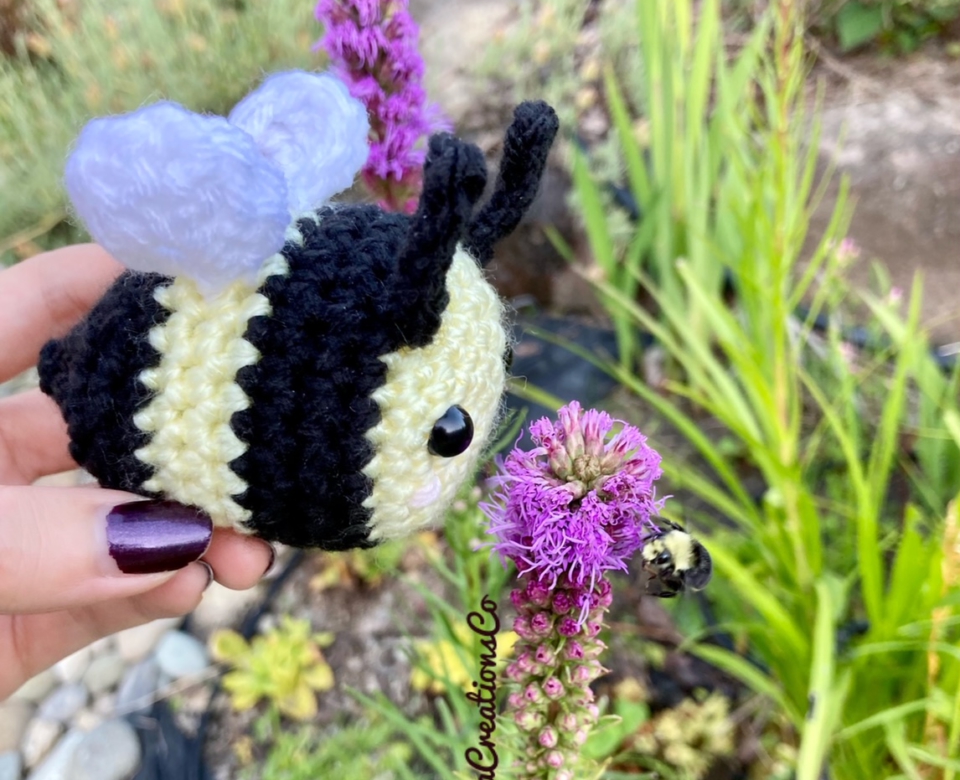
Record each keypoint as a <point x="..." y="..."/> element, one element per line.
<point x="146" y="537"/>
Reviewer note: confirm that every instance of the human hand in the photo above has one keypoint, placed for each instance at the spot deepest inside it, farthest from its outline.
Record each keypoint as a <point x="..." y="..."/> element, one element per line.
<point x="68" y="555"/>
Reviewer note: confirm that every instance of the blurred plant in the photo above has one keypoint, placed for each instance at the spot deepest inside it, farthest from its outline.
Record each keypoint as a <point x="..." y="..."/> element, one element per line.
<point x="832" y="577"/>
<point x="441" y="668"/>
<point x="284" y="666"/>
<point x="14" y="25"/>
<point x="575" y="507"/>
<point x="363" y="749"/>
<point x="363" y="567"/>
<point x="103" y="57"/>
<point x="552" y="51"/>
<point x="372" y="46"/>
<point x="688" y="738"/>
<point x="895" y="26"/>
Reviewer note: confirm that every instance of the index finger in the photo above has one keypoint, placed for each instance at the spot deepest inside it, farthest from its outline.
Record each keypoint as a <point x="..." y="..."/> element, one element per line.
<point x="46" y="295"/>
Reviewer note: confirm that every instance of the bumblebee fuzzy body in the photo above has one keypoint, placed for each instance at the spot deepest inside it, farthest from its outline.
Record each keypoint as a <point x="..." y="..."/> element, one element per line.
<point x="337" y="397"/>
<point x="675" y="561"/>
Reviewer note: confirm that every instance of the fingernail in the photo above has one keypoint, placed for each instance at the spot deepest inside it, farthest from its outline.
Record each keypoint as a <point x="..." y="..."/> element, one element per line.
<point x="146" y="537"/>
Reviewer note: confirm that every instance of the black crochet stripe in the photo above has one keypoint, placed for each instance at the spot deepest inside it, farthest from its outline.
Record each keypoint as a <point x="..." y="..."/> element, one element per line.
<point x="310" y="392"/>
<point x="525" y="149"/>
<point x="92" y="373"/>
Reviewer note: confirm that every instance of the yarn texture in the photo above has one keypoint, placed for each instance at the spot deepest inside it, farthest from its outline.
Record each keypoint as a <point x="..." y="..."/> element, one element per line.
<point x="292" y="397"/>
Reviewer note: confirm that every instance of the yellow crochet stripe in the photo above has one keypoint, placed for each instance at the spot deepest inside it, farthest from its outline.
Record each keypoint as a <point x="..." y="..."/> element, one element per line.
<point x="462" y="365"/>
<point x="195" y="392"/>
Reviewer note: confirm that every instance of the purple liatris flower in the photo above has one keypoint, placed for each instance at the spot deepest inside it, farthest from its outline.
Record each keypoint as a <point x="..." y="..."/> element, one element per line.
<point x="578" y="505"/>
<point x="373" y="47"/>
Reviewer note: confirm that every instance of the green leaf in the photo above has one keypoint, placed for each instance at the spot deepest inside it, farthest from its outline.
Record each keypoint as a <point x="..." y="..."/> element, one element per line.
<point x="748" y="674"/>
<point x="826" y="696"/>
<point x="910" y="569"/>
<point x="858" y="24"/>
<point x="888" y="715"/>
<point x="607" y="737"/>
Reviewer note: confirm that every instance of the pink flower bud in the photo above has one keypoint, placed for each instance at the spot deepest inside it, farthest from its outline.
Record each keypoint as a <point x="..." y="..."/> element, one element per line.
<point x="528" y="720"/>
<point x="538" y="593"/>
<point x="554" y="759"/>
<point x="581" y="675"/>
<point x="525" y="662"/>
<point x="562" y="603"/>
<point x="540" y="624"/>
<point x="568" y="722"/>
<point x="522" y="626"/>
<point x="552" y="688"/>
<point x="568" y="627"/>
<point x="548" y="738"/>
<point x="560" y="464"/>
<point x="545" y="654"/>
<point x="533" y="694"/>
<point x="573" y="650"/>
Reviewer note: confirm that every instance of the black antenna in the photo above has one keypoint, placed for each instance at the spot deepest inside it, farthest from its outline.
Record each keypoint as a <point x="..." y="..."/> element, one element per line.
<point x="454" y="176"/>
<point x="525" y="148"/>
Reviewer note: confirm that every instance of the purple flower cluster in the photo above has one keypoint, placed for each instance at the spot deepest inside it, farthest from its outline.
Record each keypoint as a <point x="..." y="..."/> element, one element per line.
<point x="557" y="658"/>
<point x="373" y="47"/>
<point x="576" y="505"/>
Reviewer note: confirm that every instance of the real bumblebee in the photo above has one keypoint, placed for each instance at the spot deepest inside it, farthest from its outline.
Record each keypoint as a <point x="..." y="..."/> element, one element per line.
<point x="674" y="561"/>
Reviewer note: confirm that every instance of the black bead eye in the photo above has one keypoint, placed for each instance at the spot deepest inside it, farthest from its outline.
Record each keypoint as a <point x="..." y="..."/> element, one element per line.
<point x="452" y="433"/>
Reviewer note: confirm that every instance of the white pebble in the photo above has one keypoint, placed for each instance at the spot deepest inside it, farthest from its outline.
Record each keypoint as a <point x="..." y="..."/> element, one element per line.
<point x="37" y="688"/>
<point x="222" y="607"/>
<point x="59" y="764"/>
<point x="137" y="690"/>
<point x="104" y="673"/>
<point x="15" y="714"/>
<point x="11" y="766"/>
<point x="134" y="644"/>
<point x="39" y="737"/>
<point x="64" y="703"/>
<point x="109" y="752"/>
<point x="87" y="720"/>
<point x="71" y="668"/>
<point x="181" y="655"/>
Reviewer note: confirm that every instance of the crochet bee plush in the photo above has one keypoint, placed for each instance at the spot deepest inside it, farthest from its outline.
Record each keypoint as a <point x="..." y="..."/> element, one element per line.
<point x="317" y="374"/>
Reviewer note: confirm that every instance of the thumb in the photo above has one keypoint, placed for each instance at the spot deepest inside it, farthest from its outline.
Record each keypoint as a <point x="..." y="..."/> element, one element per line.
<point x="70" y="547"/>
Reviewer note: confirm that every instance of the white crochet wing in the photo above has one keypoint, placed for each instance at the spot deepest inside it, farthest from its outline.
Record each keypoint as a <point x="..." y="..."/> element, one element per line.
<point x="309" y="126"/>
<point x="164" y="189"/>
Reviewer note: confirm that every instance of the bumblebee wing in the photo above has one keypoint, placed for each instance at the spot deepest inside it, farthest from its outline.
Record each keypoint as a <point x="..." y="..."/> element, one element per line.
<point x="312" y="129"/>
<point x="702" y="572"/>
<point x="164" y="189"/>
